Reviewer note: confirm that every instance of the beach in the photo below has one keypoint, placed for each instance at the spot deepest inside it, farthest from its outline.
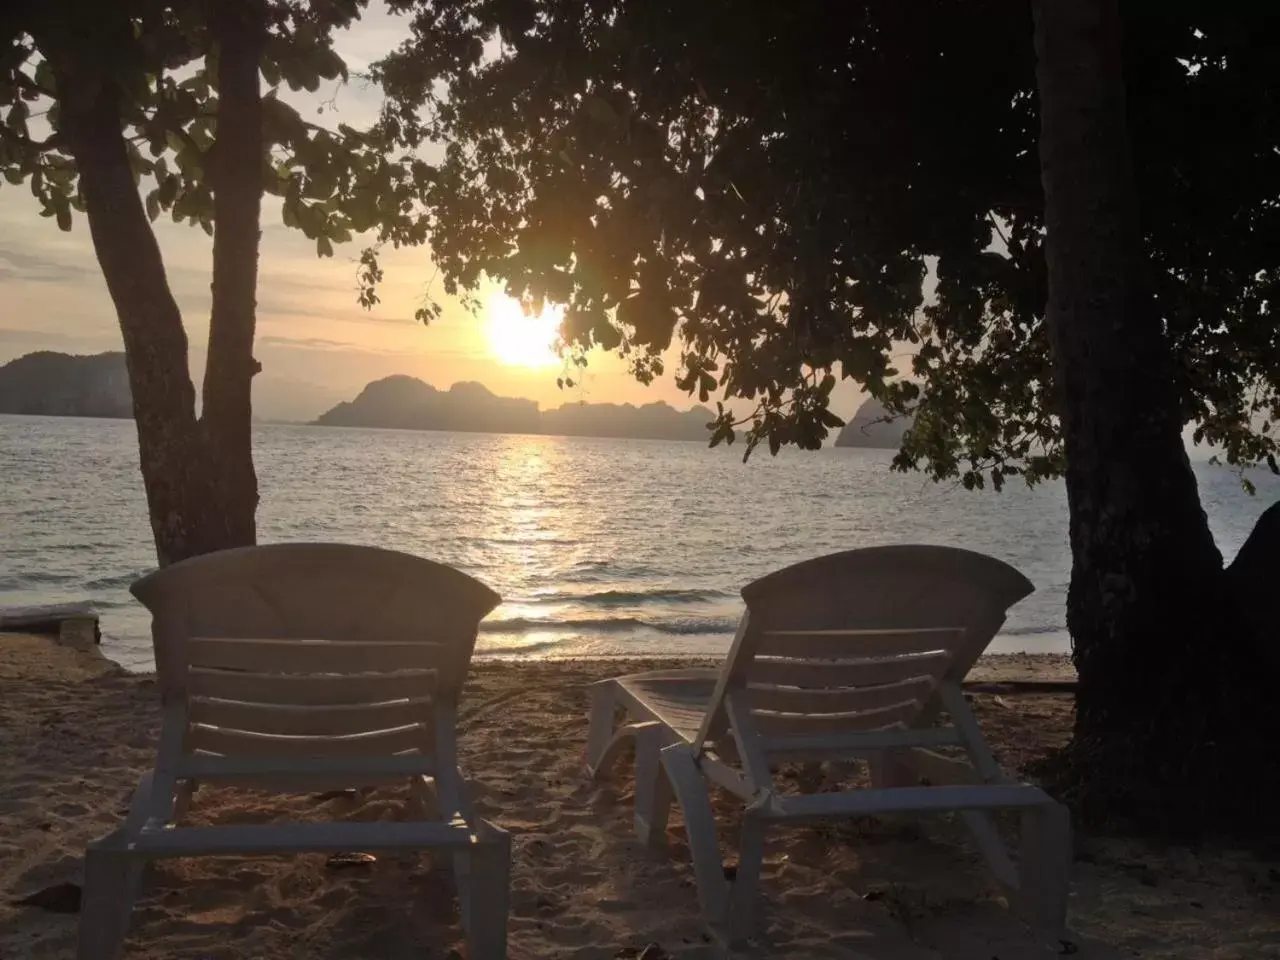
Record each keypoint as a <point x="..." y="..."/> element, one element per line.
<point x="78" y="731"/>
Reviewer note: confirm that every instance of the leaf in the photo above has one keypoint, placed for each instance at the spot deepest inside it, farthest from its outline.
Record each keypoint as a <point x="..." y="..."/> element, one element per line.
<point x="45" y="78"/>
<point x="153" y="205"/>
<point x="270" y="71"/>
<point x="63" y="214"/>
<point x="706" y="386"/>
<point x="323" y="246"/>
<point x="168" y="189"/>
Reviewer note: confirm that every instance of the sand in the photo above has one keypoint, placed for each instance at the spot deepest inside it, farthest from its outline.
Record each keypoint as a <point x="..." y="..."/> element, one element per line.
<point x="77" y="733"/>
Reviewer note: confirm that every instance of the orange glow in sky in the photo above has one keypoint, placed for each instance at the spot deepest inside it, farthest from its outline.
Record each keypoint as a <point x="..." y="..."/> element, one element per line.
<point x="518" y="340"/>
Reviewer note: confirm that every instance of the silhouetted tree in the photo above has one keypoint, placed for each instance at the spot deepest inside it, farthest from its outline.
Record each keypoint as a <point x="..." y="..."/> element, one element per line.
<point x="764" y="193"/>
<point x="98" y="100"/>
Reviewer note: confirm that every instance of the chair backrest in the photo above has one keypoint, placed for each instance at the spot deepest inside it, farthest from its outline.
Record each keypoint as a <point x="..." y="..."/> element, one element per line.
<point x="859" y="640"/>
<point x="340" y="648"/>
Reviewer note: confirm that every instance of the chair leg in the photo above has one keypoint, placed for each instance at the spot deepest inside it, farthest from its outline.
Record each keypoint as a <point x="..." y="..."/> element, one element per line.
<point x="690" y="789"/>
<point x="486" y="902"/>
<point x="653" y="789"/>
<point x="452" y="800"/>
<point x="1045" y="869"/>
<point x="743" y="891"/>
<point x="423" y="803"/>
<point x="600" y="724"/>
<point x="111" y="878"/>
<point x="183" y="794"/>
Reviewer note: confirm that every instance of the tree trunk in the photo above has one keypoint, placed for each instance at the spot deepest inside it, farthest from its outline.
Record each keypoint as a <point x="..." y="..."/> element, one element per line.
<point x="1165" y="694"/>
<point x="239" y="31"/>
<point x="188" y="516"/>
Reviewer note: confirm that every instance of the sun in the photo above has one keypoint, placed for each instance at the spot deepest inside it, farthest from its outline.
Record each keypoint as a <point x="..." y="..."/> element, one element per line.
<point x="521" y="341"/>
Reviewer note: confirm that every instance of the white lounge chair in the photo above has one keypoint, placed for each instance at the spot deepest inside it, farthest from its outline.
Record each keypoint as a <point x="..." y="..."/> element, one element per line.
<point x="302" y="667"/>
<point x="847" y="656"/>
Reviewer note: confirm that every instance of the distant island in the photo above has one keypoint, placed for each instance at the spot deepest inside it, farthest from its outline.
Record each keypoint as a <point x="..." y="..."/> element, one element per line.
<point x="869" y="429"/>
<point x="408" y="403"/>
<point x="53" y="384"/>
<point x="61" y="385"/>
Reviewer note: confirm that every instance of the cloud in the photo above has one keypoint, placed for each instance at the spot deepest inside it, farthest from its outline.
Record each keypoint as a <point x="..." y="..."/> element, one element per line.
<point x="308" y="343"/>
<point x="354" y="349"/>
<point x="290" y="307"/>
<point x="9" y="335"/>
<point x="35" y="267"/>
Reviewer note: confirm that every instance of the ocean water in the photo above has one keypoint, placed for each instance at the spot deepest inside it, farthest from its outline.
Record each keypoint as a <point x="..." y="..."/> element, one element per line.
<point x="600" y="547"/>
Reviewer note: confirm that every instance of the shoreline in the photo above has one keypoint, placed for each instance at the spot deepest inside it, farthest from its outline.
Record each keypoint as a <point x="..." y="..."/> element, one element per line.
<point x="1057" y="662"/>
<point x="79" y="731"/>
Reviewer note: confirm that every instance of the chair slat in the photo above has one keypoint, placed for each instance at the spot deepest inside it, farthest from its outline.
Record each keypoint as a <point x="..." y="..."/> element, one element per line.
<point x="907" y="800"/>
<point x="302" y="774"/>
<point x="832" y="746"/>
<point x="773" y="725"/>
<point x="839" y="674"/>
<point x="797" y="700"/>
<point x="311" y="656"/>
<point x="303" y="837"/>
<point x="329" y="720"/>
<point x="842" y="644"/>
<point x="245" y="743"/>
<point x="310" y="689"/>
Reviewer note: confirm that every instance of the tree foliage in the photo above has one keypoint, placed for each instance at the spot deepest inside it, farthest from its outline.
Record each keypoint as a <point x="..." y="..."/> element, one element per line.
<point x="333" y="182"/>
<point x="136" y="109"/>
<point x="771" y="194"/>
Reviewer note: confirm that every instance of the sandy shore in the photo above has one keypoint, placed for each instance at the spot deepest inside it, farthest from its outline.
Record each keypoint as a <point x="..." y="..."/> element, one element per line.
<point x="77" y="732"/>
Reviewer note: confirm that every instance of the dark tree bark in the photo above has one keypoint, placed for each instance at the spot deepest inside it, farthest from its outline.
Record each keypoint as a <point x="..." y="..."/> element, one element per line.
<point x="239" y="30"/>
<point x="198" y="473"/>
<point x="184" y="517"/>
<point x="1167" y="692"/>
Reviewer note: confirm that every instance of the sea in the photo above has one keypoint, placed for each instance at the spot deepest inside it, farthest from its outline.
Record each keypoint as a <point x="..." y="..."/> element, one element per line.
<point x="599" y="547"/>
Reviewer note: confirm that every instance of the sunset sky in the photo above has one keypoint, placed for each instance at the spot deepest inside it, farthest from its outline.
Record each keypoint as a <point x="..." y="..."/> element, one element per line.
<point x="316" y="344"/>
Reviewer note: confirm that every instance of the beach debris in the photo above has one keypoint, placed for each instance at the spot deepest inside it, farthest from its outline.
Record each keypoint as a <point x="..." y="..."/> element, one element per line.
<point x="348" y="793"/>
<point x="59" y="898"/>
<point x="346" y="861"/>
<point x="75" y="624"/>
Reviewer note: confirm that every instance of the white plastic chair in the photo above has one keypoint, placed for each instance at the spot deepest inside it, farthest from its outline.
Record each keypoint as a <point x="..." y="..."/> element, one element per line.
<point x="847" y="656"/>
<point x="303" y="667"/>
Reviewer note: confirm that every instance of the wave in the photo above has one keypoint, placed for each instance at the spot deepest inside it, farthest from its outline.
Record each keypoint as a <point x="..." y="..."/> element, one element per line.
<point x="35" y="579"/>
<point x="112" y="583"/>
<point x="624" y="598"/>
<point x="687" y="626"/>
<point x="538" y="647"/>
<point x="599" y="571"/>
<point x="1032" y="631"/>
<point x="531" y="541"/>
